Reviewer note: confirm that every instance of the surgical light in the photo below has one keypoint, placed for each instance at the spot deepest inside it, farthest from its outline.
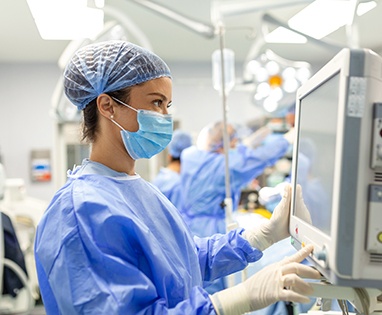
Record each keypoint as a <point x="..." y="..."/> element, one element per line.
<point x="276" y="79"/>
<point x="67" y="19"/>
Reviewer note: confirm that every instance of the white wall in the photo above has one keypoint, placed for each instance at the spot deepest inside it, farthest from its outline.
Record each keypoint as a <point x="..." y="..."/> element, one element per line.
<point x="26" y="123"/>
<point x="197" y="103"/>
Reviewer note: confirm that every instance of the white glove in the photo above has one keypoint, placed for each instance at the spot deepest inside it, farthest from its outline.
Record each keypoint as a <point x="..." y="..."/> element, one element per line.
<point x="289" y="135"/>
<point x="274" y="230"/>
<point x="277" y="282"/>
<point x="301" y="210"/>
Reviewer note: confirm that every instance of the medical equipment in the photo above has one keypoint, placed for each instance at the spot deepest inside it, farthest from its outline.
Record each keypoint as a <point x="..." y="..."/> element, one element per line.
<point x="338" y="112"/>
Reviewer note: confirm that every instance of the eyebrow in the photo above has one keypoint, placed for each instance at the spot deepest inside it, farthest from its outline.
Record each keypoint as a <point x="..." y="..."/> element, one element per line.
<point x="160" y="95"/>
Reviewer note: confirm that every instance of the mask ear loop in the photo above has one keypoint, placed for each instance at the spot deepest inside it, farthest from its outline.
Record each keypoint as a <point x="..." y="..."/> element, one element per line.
<point x="112" y="119"/>
<point x="127" y="105"/>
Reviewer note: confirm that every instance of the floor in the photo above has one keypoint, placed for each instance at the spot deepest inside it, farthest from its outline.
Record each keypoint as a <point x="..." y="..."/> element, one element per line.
<point x="38" y="310"/>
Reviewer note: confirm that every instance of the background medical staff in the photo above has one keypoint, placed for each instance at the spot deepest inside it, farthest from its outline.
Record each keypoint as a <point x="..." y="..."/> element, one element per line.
<point x="168" y="178"/>
<point x="203" y="175"/>
<point x="112" y="243"/>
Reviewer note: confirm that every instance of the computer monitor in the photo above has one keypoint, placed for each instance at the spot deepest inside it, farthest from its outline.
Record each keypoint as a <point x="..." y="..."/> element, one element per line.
<point x="337" y="160"/>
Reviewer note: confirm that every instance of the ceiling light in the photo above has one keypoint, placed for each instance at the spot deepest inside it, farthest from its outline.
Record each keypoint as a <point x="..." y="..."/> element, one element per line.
<point x="323" y="17"/>
<point x="365" y="7"/>
<point x="67" y="19"/>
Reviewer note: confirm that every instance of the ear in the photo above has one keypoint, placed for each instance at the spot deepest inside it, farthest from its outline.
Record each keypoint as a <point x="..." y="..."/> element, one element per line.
<point x="105" y="105"/>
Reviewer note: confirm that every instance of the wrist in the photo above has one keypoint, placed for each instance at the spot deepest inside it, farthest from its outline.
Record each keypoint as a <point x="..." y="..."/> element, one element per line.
<point x="259" y="238"/>
<point x="231" y="301"/>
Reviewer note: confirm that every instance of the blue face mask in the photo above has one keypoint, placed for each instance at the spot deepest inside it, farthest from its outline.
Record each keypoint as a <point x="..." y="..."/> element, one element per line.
<point x="154" y="133"/>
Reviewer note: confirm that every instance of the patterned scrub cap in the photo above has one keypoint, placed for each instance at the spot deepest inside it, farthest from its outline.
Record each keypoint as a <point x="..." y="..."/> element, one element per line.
<point x="109" y="66"/>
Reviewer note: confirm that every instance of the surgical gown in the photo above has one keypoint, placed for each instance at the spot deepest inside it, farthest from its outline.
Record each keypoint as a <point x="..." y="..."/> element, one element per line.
<point x="203" y="181"/>
<point x="168" y="182"/>
<point x="110" y="243"/>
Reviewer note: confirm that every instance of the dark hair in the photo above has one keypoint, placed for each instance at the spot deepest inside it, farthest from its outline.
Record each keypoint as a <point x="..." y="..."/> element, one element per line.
<point x="90" y="114"/>
<point x="173" y="159"/>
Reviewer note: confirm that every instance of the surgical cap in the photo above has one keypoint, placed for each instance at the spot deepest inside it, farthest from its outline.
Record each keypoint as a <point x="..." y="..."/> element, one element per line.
<point x="109" y="66"/>
<point x="180" y="141"/>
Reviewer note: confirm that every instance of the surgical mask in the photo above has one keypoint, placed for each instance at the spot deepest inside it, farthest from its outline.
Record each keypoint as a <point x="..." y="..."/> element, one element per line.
<point x="154" y="133"/>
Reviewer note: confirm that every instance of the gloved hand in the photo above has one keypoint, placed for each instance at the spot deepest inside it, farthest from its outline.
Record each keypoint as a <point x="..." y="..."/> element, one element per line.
<point x="280" y="281"/>
<point x="301" y="210"/>
<point x="274" y="230"/>
<point x="289" y="135"/>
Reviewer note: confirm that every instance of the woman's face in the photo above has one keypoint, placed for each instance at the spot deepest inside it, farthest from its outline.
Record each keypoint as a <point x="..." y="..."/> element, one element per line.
<point x="154" y="95"/>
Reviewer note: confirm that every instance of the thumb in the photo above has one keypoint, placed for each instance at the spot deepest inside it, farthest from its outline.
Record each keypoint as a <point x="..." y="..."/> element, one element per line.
<point x="285" y="201"/>
<point x="299" y="256"/>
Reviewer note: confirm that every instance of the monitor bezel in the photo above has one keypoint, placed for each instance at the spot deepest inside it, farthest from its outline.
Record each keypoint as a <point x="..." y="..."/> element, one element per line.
<point x="325" y="246"/>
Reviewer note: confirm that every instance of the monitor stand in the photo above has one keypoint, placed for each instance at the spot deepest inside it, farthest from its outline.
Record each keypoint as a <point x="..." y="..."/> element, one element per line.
<point x="366" y="301"/>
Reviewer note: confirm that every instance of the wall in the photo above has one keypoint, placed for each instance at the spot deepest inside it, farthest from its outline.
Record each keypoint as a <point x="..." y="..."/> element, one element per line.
<point x="26" y="122"/>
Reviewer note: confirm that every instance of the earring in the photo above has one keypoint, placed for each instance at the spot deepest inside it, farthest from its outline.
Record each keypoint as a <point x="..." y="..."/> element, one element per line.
<point x="112" y="117"/>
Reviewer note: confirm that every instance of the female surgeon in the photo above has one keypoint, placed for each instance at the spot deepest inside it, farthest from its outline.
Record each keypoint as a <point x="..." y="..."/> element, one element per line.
<point x="111" y="243"/>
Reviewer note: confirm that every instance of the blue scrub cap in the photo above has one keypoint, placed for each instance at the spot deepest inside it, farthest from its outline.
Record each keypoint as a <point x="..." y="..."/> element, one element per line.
<point x="109" y="66"/>
<point x="180" y="141"/>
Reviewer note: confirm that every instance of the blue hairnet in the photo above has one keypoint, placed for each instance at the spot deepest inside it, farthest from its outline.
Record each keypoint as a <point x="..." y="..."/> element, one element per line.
<point x="180" y="141"/>
<point x="109" y="66"/>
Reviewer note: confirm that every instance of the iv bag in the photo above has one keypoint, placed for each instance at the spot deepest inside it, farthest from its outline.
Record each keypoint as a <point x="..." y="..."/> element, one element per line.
<point x="229" y="70"/>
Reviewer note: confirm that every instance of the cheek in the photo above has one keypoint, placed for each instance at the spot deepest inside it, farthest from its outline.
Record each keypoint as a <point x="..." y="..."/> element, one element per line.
<point x="132" y="124"/>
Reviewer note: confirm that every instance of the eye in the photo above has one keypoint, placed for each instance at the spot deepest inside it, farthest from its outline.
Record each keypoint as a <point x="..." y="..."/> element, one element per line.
<point x="158" y="103"/>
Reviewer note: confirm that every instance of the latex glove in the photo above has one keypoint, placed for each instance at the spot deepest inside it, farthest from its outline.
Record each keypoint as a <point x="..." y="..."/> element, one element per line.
<point x="281" y="281"/>
<point x="289" y="135"/>
<point x="274" y="230"/>
<point x="301" y="210"/>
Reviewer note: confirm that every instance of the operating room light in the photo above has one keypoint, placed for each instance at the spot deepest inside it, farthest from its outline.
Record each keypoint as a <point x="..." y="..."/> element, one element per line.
<point x="323" y="17"/>
<point x="67" y="19"/>
<point x="319" y="19"/>
<point x="276" y="79"/>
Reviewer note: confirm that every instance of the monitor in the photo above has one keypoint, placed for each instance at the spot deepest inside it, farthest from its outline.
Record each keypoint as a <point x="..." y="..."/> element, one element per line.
<point x="337" y="160"/>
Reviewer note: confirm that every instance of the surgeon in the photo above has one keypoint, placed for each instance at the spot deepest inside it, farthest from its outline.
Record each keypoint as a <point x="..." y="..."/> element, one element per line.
<point x="168" y="178"/>
<point x="203" y="174"/>
<point x="111" y="242"/>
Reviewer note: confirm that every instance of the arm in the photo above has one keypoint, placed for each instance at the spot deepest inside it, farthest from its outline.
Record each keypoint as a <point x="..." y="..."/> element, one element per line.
<point x="223" y="254"/>
<point x="246" y="164"/>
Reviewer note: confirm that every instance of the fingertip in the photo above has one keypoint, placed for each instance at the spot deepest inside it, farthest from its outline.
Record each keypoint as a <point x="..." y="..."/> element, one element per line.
<point x="309" y="248"/>
<point x="287" y="190"/>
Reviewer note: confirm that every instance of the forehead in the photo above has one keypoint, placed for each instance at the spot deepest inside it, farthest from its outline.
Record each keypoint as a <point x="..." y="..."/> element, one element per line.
<point x="162" y="86"/>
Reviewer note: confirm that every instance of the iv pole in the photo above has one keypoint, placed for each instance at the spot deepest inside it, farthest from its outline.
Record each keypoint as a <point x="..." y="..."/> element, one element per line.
<point x="230" y="225"/>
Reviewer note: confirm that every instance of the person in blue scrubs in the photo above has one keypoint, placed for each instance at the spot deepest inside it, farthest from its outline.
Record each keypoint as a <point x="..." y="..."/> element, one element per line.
<point x="168" y="178"/>
<point x="111" y="242"/>
<point x="203" y="175"/>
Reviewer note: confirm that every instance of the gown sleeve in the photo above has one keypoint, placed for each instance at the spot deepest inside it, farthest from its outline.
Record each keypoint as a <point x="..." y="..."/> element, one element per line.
<point x="223" y="254"/>
<point x="79" y="286"/>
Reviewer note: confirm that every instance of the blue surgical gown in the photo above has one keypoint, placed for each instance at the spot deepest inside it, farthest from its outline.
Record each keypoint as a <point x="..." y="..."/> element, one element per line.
<point x="203" y="181"/>
<point x="110" y="243"/>
<point x="168" y="182"/>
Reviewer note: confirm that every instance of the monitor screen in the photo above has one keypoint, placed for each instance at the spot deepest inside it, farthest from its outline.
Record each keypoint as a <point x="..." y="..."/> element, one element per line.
<point x="316" y="151"/>
<point x="337" y="160"/>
